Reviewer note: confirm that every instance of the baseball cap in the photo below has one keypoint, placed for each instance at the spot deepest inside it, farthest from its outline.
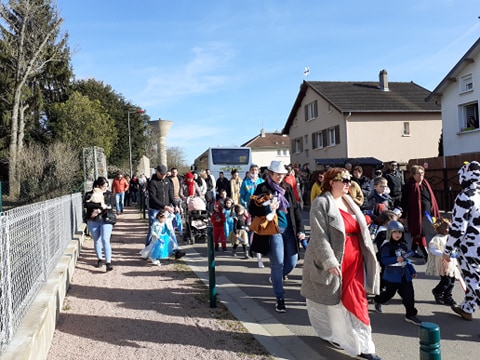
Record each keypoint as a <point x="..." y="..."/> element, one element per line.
<point x="162" y="169"/>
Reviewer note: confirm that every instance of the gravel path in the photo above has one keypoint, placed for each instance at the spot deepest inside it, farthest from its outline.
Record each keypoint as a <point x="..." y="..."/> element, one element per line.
<point x="142" y="311"/>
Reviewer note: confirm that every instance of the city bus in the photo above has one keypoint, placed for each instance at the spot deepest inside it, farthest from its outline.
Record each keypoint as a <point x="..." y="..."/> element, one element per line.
<point x="225" y="159"/>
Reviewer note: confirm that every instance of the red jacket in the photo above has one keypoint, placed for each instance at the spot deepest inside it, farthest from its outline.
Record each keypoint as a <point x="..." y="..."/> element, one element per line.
<point x="119" y="185"/>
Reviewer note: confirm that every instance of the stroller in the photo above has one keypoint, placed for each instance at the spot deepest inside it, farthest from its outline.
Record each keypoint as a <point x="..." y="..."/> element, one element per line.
<point x="196" y="221"/>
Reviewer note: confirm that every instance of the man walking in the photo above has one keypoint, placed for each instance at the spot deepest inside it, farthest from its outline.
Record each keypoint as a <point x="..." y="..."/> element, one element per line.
<point x="160" y="197"/>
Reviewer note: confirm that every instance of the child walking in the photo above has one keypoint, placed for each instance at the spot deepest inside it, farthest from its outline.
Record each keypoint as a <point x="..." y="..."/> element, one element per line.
<point x="162" y="243"/>
<point x="218" y="221"/>
<point x="229" y="215"/>
<point x="399" y="272"/>
<point x="239" y="235"/>
<point x="437" y="266"/>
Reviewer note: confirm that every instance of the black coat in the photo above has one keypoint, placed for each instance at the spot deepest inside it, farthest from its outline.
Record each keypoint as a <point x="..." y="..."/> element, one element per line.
<point x="91" y="206"/>
<point x="160" y="193"/>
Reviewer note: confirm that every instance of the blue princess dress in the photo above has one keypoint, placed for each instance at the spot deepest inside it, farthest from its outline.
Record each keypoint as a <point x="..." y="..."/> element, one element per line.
<point x="164" y="243"/>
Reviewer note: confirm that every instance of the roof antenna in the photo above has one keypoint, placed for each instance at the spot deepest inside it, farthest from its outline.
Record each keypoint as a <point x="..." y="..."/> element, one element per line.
<point x="306" y="71"/>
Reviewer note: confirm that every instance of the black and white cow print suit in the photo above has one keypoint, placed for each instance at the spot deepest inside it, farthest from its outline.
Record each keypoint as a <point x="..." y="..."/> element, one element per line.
<point x="465" y="234"/>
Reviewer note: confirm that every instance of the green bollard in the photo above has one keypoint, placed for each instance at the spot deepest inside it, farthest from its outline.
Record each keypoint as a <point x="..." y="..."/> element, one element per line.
<point x="429" y="334"/>
<point x="212" y="288"/>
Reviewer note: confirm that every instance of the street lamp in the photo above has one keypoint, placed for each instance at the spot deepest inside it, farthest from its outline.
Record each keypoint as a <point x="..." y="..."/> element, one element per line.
<point x="138" y="111"/>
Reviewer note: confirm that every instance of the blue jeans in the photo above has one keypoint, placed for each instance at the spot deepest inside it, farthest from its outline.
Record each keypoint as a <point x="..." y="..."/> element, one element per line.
<point x="101" y="234"/>
<point x="119" y="200"/>
<point x="283" y="258"/>
<point x="152" y="213"/>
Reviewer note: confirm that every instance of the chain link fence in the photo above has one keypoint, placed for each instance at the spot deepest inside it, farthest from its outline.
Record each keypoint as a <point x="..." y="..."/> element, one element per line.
<point x="32" y="240"/>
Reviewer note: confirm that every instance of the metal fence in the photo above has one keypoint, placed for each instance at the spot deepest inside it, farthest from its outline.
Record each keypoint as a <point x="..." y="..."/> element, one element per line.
<point x="32" y="240"/>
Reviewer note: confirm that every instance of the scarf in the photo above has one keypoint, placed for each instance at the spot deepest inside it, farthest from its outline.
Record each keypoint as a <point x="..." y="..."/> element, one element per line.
<point x="279" y="192"/>
<point x="414" y="210"/>
<point x="190" y="187"/>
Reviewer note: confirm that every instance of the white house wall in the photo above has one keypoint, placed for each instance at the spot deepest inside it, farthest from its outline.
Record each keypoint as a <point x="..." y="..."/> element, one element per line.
<point x="456" y="142"/>
<point x="264" y="157"/>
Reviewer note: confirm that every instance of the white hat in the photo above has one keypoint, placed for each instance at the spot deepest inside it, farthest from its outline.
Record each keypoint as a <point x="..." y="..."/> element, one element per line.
<point x="277" y="166"/>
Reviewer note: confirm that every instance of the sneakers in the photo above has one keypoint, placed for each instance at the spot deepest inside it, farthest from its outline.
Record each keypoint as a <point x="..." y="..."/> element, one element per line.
<point x="378" y="307"/>
<point x="280" y="307"/>
<point x="217" y="248"/>
<point x="155" y="262"/>
<point x="99" y="263"/>
<point x="109" y="266"/>
<point x="234" y="252"/>
<point x="413" y="320"/>
<point x="260" y="264"/>
<point x="458" y="310"/>
<point x="438" y="298"/>
<point x="179" y="254"/>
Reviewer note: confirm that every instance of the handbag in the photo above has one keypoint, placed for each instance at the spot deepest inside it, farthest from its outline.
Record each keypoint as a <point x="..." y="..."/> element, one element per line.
<point x="260" y="244"/>
<point x="110" y="218"/>
<point x="261" y="226"/>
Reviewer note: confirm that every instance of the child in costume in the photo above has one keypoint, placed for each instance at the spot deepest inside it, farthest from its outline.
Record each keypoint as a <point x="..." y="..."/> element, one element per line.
<point x="163" y="242"/>
<point x="239" y="235"/>
<point x="447" y="270"/>
<point x="218" y="221"/>
<point x="228" y="210"/>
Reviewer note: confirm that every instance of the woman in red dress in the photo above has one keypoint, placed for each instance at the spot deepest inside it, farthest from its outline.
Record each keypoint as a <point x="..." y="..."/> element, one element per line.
<point x="340" y="267"/>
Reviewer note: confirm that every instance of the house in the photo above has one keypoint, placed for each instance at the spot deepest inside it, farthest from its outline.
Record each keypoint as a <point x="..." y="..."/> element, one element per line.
<point x="269" y="146"/>
<point x="459" y="93"/>
<point x="379" y="121"/>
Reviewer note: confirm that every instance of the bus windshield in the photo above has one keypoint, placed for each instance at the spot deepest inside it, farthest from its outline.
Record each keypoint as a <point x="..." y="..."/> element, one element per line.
<point x="240" y="156"/>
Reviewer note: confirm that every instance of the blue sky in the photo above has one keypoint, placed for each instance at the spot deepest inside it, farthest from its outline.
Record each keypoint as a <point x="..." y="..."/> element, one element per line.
<point x="221" y="70"/>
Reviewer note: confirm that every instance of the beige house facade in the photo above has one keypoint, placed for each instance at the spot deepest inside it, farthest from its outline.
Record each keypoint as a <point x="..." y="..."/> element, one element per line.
<point x="350" y="120"/>
<point x="458" y="94"/>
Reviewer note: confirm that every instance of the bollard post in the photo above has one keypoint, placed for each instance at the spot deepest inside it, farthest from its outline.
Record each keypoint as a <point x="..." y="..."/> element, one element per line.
<point x="429" y="334"/>
<point x="212" y="287"/>
<point x="1" y="196"/>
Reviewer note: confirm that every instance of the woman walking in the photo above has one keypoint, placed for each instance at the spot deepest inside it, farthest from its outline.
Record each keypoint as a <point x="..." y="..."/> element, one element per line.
<point x="340" y="267"/>
<point x="100" y="218"/>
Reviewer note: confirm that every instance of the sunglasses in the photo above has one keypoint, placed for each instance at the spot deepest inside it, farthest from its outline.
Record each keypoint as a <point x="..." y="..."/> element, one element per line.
<point x="345" y="181"/>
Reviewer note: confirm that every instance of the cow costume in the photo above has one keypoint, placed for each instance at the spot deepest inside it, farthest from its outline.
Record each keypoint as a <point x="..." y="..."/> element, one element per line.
<point x="465" y="236"/>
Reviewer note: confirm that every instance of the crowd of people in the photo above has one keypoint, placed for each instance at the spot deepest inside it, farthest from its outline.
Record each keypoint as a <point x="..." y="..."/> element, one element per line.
<point x="357" y="251"/>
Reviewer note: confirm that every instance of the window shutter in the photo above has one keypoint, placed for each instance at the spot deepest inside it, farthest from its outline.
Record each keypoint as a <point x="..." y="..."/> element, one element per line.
<point x="315" y="111"/>
<point x="337" y="134"/>
<point x="305" y="110"/>
<point x="324" y="136"/>
<point x="314" y="141"/>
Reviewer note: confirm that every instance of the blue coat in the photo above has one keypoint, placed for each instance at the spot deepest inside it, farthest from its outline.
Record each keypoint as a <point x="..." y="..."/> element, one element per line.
<point x="395" y="271"/>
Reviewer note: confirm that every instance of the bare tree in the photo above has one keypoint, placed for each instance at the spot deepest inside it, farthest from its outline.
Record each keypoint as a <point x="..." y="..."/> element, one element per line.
<point x="30" y="44"/>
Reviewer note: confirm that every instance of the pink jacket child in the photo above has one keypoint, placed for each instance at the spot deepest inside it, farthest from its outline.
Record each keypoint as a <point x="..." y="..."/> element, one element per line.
<point x="218" y="221"/>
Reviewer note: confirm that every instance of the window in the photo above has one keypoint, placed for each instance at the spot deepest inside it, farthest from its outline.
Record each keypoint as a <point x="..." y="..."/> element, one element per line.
<point x="318" y="140"/>
<point x="469" y="117"/>
<point x="406" y="129"/>
<point x="305" y="140"/>
<point x="297" y="145"/>
<point x="466" y="83"/>
<point x="311" y="111"/>
<point x="333" y="135"/>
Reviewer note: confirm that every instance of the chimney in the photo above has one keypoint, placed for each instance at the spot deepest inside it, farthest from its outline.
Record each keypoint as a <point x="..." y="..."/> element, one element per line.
<point x="383" y="79"/>
<point x="262" y="133"/>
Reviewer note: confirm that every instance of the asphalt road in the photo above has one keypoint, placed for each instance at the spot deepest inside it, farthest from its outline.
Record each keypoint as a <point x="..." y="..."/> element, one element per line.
<point x="394" y="338"/>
